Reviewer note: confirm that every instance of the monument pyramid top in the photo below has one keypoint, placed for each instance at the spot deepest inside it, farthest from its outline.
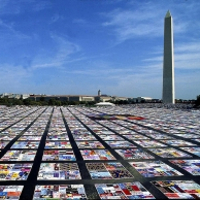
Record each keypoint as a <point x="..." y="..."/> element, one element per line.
<point x="168" y="14"/>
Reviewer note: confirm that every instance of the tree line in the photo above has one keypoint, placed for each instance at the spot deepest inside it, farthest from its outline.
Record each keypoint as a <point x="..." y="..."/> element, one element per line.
<point x="51" y="102"/>
<point x="28" y="102"/>
<point x="54" y="102"/>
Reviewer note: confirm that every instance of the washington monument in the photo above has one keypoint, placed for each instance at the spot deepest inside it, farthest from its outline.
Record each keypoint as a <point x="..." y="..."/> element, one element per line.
<point x="168" y="95"/>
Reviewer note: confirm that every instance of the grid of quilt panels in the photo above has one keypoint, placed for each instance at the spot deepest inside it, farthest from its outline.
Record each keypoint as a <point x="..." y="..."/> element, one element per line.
<point x="125" y="152"/>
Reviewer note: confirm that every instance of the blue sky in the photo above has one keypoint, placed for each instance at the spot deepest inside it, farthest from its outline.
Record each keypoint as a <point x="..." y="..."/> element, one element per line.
<point x="81" y="46"/>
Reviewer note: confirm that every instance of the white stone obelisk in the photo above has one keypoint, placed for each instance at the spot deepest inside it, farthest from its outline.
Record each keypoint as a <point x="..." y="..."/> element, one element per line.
<point x="168" y="62"/>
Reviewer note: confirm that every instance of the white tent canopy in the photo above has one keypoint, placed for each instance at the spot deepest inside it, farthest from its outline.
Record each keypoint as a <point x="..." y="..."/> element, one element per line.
<point x="105" y="104"/>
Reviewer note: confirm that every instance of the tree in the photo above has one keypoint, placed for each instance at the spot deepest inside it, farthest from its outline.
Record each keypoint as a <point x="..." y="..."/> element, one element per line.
<point x="90" y="103"/>
<point x="34" y="103"/>
<point x="3" y="101"/>
<point x="27" y="101"/>
<point x="58" y="103"/>
<point x="65" y="103"/>
<point x="43" y="103"/>
<point x="52" y="102"/>
<point x="197" y="102"/>
<point x="17" y="102"/>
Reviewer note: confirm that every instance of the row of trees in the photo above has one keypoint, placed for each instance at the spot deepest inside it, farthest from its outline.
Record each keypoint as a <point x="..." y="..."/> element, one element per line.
<point x="51" y="102"/>
<point x="42" y="102"/>
<point x="55" y="102"/>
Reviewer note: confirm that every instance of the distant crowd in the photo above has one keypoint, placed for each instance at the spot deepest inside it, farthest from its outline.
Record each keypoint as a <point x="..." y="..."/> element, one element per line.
<point x="163" y="105"/>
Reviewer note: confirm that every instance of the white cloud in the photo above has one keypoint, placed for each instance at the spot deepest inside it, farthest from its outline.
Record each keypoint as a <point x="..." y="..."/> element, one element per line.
<point x="130" y="81"/>
<point x="186" y="56"/>
<point x="60" y="55"/>
<point x="133" y="22"/>
<point x="128" y="25"/>
<point x="10" y="34"/>
<point x="188" y="47"/>
<point x="106" y="71"/>
<point x="154" y="59"/>
<point x="6" y="25"/>
<point x="147" y="19"/>
<point x="17" y="7"/>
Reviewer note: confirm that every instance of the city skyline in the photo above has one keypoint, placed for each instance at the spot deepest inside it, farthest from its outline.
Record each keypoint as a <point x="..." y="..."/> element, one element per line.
<point x="78" y="47"/>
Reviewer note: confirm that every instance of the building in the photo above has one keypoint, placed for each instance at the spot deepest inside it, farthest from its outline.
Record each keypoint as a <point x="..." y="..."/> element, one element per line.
<point x="168" y="95"/>
<point x="5" y="95"/>
<point x="25" y="96"/>
<point x="141" y="100"/>
<point x="76" y="98"/>
<point x="62" y="97"/>
<point x="14" y="96"/>
<point x="103" y="98"/>
<point x="99" y="93"/>
<point x="115" y="98"/>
